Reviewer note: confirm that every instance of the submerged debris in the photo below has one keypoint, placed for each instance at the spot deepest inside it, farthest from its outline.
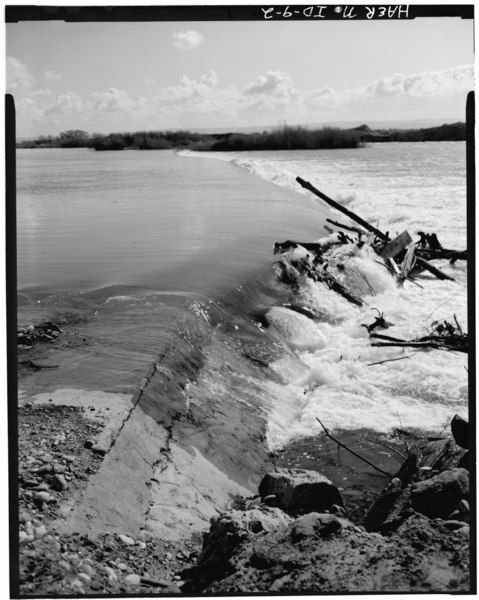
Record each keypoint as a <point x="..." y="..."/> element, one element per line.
<point x="402" y="256"/>
<point x="444" y="336"/>
<point x="45" y="332"/>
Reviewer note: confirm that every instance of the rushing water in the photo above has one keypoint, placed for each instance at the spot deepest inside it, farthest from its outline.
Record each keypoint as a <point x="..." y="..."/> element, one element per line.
<point x="132" y="241"/>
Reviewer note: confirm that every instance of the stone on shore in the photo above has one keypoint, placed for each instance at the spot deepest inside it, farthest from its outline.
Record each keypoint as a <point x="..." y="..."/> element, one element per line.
<point x="300" y="491"/>
<point x="440" y="495"/>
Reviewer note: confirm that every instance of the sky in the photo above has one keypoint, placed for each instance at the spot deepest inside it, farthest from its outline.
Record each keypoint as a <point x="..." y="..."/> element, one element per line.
<point x="107" y="77"/>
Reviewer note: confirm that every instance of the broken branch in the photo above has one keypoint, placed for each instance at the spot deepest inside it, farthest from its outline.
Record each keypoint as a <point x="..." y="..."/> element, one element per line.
<point x="353" y="452"/>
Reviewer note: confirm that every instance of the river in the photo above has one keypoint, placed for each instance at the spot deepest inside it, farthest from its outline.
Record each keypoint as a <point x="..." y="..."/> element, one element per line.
<point x="125" y="244"/>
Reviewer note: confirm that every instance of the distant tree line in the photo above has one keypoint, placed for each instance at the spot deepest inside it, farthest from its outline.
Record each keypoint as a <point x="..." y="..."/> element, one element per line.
<point x="286" y="137"/>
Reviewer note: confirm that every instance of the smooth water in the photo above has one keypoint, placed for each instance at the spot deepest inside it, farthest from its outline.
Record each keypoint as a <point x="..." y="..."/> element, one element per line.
<point x="133" y="242"/>
<point x="151" y="219"/>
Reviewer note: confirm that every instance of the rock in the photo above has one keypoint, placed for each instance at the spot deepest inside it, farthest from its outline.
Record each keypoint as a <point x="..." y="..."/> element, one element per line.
<point x="40" y="531"/>
<point x="127" y="540"/>
<point x="460" y="431"/>
<point x="45" y="469"/>
<point x="88" y="569"/>
<point x="42" y="497"/>
<point x="452" y="525"/>
<point x="317" y="525"/>
<point x="59" y="483"/>
<point x="112" y="576"/>
<point x="441" y="494"/>
<point x="23" y="517"/>
<point x="229" y="530"/>
<point x="122" y="566"/>
<point x="98" y="449"/>
<point x="340" y="511"/>
<point x="271" y="500"/>
<point x="132" y="579"/>
<point x="299" y="491"/>
<point x="172" y="588"/>
<point x="24" y="538"/>
<point x="84" y="577"/>
<point x="68" y="458"/>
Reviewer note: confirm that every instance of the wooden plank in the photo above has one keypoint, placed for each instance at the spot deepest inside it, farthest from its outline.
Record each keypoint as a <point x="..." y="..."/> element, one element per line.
<point x="396" y="245"/>
<point x="342" y="209"/>
<point x="408" y="261"/>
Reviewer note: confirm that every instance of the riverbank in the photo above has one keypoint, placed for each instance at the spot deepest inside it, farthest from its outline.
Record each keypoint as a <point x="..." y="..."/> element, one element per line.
<point x="117" y="490"/>
<point x="288" y="137"/>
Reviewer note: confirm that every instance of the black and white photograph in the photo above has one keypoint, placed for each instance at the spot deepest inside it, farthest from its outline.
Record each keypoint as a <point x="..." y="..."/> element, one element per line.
<point x="238" y="299"/>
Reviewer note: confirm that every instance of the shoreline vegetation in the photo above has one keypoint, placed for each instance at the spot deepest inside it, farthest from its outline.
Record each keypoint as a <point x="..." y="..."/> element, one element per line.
<point x="287" y="137"/>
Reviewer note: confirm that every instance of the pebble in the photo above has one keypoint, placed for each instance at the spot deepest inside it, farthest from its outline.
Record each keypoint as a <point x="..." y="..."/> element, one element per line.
<point x="76" y="583"/>
<point x="45" y="469"/>
<point x="42" y="497"/>
<point x="122" y="566"/>
<point x="452" y="525"/>
<point x="60" y="482"/>
<point x="24" y="538"/>
<point x="127" y="540"/>
<point x="141" y="545"/>
<point x="64" y="565"/>
<point x="68" y="458"/>
<point x="133" y="579"/>
<point x="112" y="576"/>
<point x="84" y="577"/>
<point x="90" y="571"/>
<point x="23" y="517"/>
<point x="40" y="531"/>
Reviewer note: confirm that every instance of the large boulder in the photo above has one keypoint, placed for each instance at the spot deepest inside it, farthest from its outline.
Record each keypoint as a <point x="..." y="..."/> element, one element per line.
<point x="440" y="495"/>
<point x="227" y="533"/>
<point x="299" y="491"/>
<point x="317" y="525"/>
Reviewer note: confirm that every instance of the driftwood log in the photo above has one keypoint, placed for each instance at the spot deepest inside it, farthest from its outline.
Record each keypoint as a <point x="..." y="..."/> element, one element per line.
<point x="379" y="234"/>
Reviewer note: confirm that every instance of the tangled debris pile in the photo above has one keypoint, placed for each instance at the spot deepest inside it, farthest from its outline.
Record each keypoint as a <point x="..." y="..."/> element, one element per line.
<point x="296" y="537"/>
<point x="403" y="257"/>
<point x="443" y="336"/>
<point x="45" y="332"/>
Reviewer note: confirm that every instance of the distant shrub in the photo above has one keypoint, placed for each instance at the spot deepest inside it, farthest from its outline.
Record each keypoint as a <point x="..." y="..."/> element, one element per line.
<point x="290" y="138"/>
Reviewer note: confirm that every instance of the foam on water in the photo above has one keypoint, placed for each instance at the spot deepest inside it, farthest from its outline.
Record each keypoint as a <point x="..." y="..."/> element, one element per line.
<point x="336" y="379"/>
<point x="330" y="374"/>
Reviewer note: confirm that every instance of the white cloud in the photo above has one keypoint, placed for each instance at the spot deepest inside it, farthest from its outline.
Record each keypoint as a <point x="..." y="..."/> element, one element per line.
<point x="269" y="97"/>
<point x="18" y="76"/>
<point x="111" y="101"/>
<point x="51" y="76"/>
<point x="187" y="40"/>
<point x="270" y="83"/>
<point x="210" y="79"/>
<point x="41" y="93"/>
<point x="426" y="85"/>
<point x="65" y="104"/>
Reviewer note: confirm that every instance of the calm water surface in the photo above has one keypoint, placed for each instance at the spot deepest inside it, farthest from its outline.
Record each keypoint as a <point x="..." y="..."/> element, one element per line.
<point x="149" y="219"/>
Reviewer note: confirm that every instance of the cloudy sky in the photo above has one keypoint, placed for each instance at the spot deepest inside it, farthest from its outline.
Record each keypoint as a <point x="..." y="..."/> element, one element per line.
<point x="104" y="77"/>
